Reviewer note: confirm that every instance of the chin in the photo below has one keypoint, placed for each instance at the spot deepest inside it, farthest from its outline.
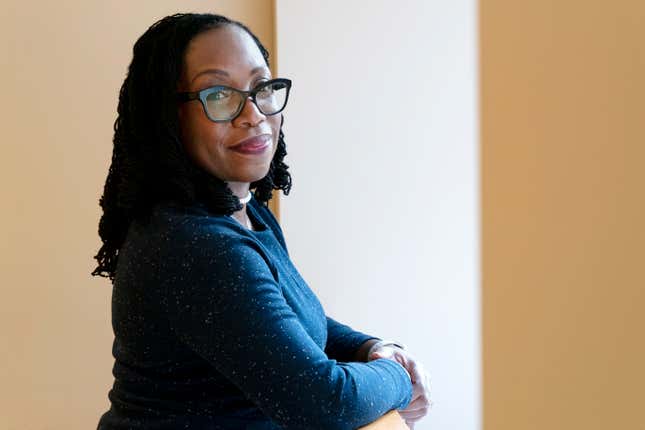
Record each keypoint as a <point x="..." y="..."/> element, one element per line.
<point x="252" y="176"/>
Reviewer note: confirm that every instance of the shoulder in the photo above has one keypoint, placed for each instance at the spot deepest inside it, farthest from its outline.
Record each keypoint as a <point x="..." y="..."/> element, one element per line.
<point x="181" y="223"/>
<point x="202" y="252"/>
<point x="193" y="236"/>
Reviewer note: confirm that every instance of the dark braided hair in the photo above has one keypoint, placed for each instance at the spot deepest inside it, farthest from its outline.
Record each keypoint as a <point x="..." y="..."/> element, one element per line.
<point x="149" y="164"/>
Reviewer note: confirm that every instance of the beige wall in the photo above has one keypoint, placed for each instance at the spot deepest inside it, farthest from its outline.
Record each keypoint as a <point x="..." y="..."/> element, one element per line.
<point x="562" y="155"/>
<point x="563" y="150"/>
<point x="62" y="66"/>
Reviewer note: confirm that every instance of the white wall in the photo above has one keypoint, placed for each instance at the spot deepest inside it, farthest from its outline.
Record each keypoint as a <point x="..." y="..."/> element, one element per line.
<point x="383" y="217"/>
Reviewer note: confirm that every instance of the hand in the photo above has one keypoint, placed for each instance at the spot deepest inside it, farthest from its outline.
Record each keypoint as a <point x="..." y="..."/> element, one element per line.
<point x="420" y="403"/>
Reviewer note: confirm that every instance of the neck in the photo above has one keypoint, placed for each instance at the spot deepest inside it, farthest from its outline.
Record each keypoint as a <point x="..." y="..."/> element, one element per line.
<point x="240" y="189"/>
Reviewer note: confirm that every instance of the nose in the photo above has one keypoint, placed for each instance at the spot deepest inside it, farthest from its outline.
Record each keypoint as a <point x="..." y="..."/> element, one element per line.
<point x="250" y="115"/>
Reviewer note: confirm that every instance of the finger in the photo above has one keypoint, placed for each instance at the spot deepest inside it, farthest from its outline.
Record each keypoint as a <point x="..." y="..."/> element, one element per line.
<point x="399" y="357"/>
<point x="416" y="394"/>
<point x="416" y="414"/>
<point x="413" y="416"/>
<point x="421" y="377"/>
<point x="416" y="371"/>
<point x="402" y="357"/>
<point x="426" y="384"/>
<point x="383" y="352"/>
<point x="414" y="368"/>
<point x="419" y="403"/>
<point x="417" y="376"/>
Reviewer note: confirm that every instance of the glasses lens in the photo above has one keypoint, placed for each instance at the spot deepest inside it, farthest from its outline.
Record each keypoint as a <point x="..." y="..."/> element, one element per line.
<point x="222" y="103"/>
<point x="272" y="97"/>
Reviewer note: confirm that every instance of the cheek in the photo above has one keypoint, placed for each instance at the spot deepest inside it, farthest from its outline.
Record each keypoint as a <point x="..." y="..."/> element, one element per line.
<point x="275" y="128"/>
<point x="190" y="128"/>
<point x="203" y="139"/>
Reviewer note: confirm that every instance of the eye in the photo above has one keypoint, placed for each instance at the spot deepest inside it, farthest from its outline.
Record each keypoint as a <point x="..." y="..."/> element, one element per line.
<point x="220" y="94"/>
<point x="267" y="90"/>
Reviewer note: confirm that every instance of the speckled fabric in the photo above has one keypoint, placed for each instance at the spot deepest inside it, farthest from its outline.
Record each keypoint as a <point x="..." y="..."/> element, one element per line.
<point x="216" y="329"/>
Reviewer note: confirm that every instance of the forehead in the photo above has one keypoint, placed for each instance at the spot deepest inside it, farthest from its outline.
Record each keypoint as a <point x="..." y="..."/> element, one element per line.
<point x="229" y="48"/>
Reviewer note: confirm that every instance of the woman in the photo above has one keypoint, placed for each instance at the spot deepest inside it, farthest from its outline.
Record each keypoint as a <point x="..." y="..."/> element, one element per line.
<point x="214" y="327"/>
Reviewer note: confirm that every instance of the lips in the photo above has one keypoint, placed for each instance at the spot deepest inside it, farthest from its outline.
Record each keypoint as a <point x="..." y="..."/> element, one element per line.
<point x="253" y="145"/>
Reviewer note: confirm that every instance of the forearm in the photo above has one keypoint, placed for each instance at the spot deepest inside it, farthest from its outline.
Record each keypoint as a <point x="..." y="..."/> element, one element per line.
<point x="361" y="354"/>
<point x="343" y="342"/>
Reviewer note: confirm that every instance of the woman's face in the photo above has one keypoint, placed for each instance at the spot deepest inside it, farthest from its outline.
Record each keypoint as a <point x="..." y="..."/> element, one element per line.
<point x="226" y="56"/>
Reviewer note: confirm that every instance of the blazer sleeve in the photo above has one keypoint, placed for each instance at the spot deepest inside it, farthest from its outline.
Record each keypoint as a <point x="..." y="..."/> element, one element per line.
<point x="223" y="302"/>
<point x="343" y="342"/>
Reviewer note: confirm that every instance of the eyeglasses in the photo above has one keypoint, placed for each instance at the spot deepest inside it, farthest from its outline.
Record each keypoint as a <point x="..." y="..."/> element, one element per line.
<point x="223" y="104"/>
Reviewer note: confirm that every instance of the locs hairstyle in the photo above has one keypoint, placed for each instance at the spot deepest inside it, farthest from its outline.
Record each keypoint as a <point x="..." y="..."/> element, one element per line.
<point x="149" y="164"/>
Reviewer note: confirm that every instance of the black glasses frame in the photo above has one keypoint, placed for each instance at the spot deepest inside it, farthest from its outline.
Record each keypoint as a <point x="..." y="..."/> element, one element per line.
<point x="202" y="94"/>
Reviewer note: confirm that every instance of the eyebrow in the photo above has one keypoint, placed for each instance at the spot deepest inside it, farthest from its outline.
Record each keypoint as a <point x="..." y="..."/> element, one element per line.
<point x="225" y="73"/>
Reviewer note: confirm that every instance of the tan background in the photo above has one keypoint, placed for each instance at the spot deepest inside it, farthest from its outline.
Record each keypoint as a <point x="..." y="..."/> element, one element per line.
<point x="563" y="154"/>
<point x="62" y="66"/>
